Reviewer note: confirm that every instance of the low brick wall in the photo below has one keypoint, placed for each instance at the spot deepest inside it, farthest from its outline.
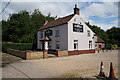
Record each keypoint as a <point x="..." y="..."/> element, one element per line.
<point x="63" y="53"/>
<point x="58" y="52"/>
<point x="76" y="52"/>
<point x="34" y="55"/>
<point x="28" y="55"/>
<point x="21" y="54"/>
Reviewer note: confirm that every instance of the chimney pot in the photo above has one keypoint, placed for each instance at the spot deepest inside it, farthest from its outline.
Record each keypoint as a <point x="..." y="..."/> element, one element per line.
<point x="76" y="10"/>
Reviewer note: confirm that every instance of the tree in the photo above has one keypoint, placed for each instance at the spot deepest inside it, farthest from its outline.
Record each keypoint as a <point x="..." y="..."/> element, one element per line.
<point x="5" y="31"/>
<point x="22" y="26"/>
<point x="97" y="30"/>
<point x="19" y="25"/>
<point x="114" y="35"/>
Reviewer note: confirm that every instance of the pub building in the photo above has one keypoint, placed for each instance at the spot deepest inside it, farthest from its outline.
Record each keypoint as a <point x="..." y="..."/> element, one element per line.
<point x="68" y="33"/>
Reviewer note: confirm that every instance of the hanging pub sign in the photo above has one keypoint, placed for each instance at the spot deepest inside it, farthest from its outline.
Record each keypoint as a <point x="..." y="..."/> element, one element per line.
<point x="77" y="27"/>
<point x="48" y="32"/>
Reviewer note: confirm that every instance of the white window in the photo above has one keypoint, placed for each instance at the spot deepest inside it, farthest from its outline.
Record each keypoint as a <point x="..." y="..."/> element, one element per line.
<point x="88" y="33"/>
<point x="41" y="34"/>
<point x="57" y="45"/>
<point x="75" y="44"/>
<point x="57" y="32"/>
<point x="90" y="44"/>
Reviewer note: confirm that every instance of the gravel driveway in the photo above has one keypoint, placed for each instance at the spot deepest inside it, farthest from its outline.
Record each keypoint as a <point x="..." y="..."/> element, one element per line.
<point x="77" y="66"/>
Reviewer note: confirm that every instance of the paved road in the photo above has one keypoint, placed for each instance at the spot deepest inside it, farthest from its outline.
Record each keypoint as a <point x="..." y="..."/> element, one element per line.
<point x="84" y="66"/>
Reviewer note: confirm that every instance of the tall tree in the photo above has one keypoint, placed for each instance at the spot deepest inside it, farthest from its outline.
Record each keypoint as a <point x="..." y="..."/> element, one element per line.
<point x="114" y="35"/>
<point x="22" y="26"/>
<point x="5" y="31"/>
<point x="100" y="32"/>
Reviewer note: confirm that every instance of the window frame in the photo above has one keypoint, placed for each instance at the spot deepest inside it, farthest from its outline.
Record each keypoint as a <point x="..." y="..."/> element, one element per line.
<point x="90" y="44"/>
<point x="57" y="32"/>
<point x="75" y="42"/>
<point x="41" y="34"/>
<point x="57" y="44"/>
<point x="88" y="33"/>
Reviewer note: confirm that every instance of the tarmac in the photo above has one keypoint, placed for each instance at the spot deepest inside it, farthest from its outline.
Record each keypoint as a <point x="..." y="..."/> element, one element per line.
<point x="76" y="66"/>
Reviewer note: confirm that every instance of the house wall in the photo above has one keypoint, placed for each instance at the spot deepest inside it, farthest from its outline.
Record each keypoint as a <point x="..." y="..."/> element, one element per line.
<point x="67" y="36"/>
<point x="62" y="38"/>
<point x="83" y="39"/>
<point x="38" y="40"/>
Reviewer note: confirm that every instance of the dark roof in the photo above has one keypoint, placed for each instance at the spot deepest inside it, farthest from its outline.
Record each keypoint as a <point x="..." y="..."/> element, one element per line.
<point x="99" y="40"/>
<point x="56" y="22"/>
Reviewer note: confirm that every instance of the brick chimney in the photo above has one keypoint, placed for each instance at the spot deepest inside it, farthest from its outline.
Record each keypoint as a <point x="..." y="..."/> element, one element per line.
<point x="76" y="10"/>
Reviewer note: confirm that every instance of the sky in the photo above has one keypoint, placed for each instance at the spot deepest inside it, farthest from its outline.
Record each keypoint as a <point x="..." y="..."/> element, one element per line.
<point x="101" y="13"/>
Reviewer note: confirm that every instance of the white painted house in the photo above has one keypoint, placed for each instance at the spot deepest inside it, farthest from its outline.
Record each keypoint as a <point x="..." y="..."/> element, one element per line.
<point x="67" y="33"/>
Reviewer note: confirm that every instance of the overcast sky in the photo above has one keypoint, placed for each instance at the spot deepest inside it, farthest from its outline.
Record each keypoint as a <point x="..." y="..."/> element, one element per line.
<point x="101" y="13"/>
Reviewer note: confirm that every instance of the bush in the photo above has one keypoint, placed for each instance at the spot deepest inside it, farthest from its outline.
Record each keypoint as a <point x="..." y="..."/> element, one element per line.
<point x="16" y="46"/>
<point x="115" y="46"/>
<point x="112" y="46"/>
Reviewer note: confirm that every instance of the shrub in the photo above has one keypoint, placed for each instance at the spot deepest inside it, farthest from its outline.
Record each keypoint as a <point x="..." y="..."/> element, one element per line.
<point x="16" y="46"/>
<point x="112" y="46"/>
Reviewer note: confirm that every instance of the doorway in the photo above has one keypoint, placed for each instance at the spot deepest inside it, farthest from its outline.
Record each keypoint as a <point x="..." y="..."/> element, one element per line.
<point x="75" y="44"/>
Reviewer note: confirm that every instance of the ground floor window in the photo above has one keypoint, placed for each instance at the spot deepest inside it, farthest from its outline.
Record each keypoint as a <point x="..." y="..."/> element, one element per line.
<point x="75" y="44"/>
<point x="57" y="45"/>
<point x="95" y="45"/>
<point x="90" y="44"/>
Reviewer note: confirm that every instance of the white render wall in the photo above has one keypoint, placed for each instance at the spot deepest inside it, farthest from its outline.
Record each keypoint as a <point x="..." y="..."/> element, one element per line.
<point x="62" y="38"/>
<point x="83" y="39"/>
<point x="67" y="36"/>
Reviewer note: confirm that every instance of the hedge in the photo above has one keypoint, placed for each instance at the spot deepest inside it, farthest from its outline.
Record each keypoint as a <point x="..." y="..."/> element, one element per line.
<point x="16" y="46"/>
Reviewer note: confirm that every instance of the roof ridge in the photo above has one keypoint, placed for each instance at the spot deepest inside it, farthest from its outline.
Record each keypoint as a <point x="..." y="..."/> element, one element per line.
<point x="61" y="17"/>
<point x="67" y="16"/>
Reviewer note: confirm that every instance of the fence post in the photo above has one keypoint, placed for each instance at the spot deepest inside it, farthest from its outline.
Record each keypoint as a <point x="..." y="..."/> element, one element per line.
<point x="28" y="54"/>
<point x="58" y="53"/>
<point x="45" y="53"/>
